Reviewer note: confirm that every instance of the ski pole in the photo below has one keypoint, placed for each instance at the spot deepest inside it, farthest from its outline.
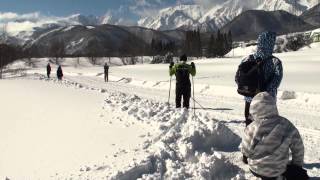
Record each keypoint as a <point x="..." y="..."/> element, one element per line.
<point x="194" y="101"/>
<point x="199" y="104"/>
<point x="169" y="91"/>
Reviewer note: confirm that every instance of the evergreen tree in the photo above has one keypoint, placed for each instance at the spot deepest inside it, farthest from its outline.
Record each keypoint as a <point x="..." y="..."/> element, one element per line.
<point x="230" y="40"/>
<point x="210" y="50"/>
<point x="192" y="43"/>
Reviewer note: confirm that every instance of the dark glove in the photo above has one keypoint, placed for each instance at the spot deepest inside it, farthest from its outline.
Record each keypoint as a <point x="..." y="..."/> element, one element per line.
<point x="171" y="65"/>
<point x="192" y="65"/>
<point x="245" y="159"/>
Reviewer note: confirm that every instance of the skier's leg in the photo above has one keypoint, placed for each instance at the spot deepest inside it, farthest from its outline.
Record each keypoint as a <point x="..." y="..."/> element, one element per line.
<point x="105" y="77"/>
<point x="178" y="96"/>
<point x="263" y="177"/>
<point x="247" y="114"/>
<point x="186" y="97"/>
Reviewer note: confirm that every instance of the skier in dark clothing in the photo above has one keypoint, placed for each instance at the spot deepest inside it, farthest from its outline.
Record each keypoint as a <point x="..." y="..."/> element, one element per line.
<point x="59" y="73"/>
<point x="106" y="72"/>
<point x="271" y="69"/>
<point x="48" y="70"/>
<point x="182" y="72"/>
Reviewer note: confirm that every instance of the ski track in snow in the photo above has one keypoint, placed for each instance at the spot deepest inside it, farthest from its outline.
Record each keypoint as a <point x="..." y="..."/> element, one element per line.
<point x="173" y="151"/>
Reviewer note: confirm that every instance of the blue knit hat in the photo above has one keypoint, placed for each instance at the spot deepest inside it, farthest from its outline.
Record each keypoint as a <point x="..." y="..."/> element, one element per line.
<point x="266" y="43"/>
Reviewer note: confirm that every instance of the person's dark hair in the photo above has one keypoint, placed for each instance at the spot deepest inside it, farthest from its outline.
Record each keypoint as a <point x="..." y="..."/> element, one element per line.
<point x="183" y="57"/>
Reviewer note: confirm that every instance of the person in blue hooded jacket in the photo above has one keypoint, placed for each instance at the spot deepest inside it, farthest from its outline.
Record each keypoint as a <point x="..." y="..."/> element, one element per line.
<point x="271" y="68"/>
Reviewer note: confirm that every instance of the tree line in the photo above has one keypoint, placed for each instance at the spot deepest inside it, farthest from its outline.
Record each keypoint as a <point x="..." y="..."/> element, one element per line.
<point x="219" y="44"/>
<point x="194" y="45"/>
<point x="8" y="54"/>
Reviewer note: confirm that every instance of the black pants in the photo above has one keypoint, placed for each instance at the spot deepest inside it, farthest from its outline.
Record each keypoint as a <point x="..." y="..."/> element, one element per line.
<point x="185" y="92"/>
<point x="262" y="177"/>
<point x="247" y="113"/>
<point x="48" y="74"/>
<point x="106" y="77"/>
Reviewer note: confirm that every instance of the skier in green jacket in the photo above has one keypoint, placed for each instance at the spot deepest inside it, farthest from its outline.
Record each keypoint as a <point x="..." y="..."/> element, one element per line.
<point x="182" y="72"/>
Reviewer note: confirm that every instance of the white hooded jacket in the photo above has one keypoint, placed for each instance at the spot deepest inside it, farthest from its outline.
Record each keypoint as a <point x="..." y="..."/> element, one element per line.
<point x="267" y="140"/>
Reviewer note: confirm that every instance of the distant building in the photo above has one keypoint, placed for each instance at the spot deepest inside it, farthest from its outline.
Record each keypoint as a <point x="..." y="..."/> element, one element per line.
<point x="315" y="35"/>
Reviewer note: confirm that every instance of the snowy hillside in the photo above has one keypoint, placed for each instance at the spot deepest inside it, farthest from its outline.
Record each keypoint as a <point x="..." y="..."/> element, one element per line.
<point x="84" y="128"/>
<point x="182" y="16"/>
<point x="177" y="16"/>
<point x="219" y="14"/>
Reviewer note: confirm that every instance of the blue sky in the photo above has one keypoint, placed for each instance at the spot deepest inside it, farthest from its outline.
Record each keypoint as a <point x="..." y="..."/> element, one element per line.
<point x="87" y="7"/>
<point x="61" y="7"/>
<point x="24" y="15"/>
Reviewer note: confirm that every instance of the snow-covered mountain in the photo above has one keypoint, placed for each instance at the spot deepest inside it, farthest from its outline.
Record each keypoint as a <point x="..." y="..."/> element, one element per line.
<point x="121" y="17"/>
<point x="182" y="16"/>
<point x="193" y="16"/>
<point x="312" y="16"/>
<point x="78" y="19"/>
<point x="22" y="27"/>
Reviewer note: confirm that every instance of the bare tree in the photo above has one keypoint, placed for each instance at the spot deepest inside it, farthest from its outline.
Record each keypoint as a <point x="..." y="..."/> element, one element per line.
<point x="7" y="55"/>
<point x="93" y="51"/>
<point x="3" y="34"/>
<point x="78" y="61"/>
<point x="57" y="50"/>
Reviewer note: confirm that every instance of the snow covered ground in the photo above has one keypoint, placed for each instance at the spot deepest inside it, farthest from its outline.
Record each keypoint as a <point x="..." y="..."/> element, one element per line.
<point x="83" y="128"/>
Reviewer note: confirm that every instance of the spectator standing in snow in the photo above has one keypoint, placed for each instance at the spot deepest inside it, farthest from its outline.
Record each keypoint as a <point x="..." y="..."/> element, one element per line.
<point x="106" y="72"/>
<point x="59" y="73"/>
<point x="48" y="70"/>
<point x="182" y="72"/>
<point x="267" y="140"/>
<point x="271" y="68"/>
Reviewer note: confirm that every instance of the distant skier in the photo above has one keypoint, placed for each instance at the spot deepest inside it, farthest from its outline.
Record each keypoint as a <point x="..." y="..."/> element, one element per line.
<point x="259" y="72"/>
<point x="106" y="72"/>
<point x="267" y="140"/>
<point x="182" y="72"/>
<point x="48" y="70"/>
<point x="59" y="73"/>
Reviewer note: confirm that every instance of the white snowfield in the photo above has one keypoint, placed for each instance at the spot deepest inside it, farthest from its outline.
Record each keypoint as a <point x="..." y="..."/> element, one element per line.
<point x="84" y="128"/>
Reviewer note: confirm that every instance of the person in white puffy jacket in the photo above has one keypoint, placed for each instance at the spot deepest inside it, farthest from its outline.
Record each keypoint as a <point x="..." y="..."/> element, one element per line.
<point x="267" y="140"/>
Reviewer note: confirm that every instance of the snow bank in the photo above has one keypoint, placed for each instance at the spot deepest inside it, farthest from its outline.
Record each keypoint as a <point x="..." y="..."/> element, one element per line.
<point x="242" y="51"/>
<point x="311" y="46"/>
<point x="187" y="148"/>
<point x="285" y="95"/>
<point x="189" y="151"/>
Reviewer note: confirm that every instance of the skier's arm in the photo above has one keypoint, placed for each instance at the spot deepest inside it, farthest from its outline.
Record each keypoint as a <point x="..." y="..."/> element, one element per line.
<point x="247" y="138"/>
<point x="237" y="73"/>
<point x="192" y="69"/>
<point x="277" y="77"/>
<point x="172" y="70"/>
<point x="297" y="149"/>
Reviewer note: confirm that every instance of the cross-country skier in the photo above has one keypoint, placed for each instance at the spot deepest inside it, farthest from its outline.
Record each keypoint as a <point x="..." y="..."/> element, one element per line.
<point x="267" y="140"/>
<point x="106" y="72"/>
<point x="182" y="72"/>
<point x="48" y="70"/>
<point x="59" y="73"/>
<point x="269" y="71"/>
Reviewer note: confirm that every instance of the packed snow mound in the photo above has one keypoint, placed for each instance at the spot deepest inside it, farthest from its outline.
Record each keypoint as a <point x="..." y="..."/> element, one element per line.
<point x="285" y="95"/>
<point x="189" y="147"/>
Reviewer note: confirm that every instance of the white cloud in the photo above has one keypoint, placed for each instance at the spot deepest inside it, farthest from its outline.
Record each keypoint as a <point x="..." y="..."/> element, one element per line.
<point x="208" y="3"/>
<point x="16" y="23"/>
<point x="151" y="7"/>
<point x="10" y="16"/>
<point x="16" y="27"/>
